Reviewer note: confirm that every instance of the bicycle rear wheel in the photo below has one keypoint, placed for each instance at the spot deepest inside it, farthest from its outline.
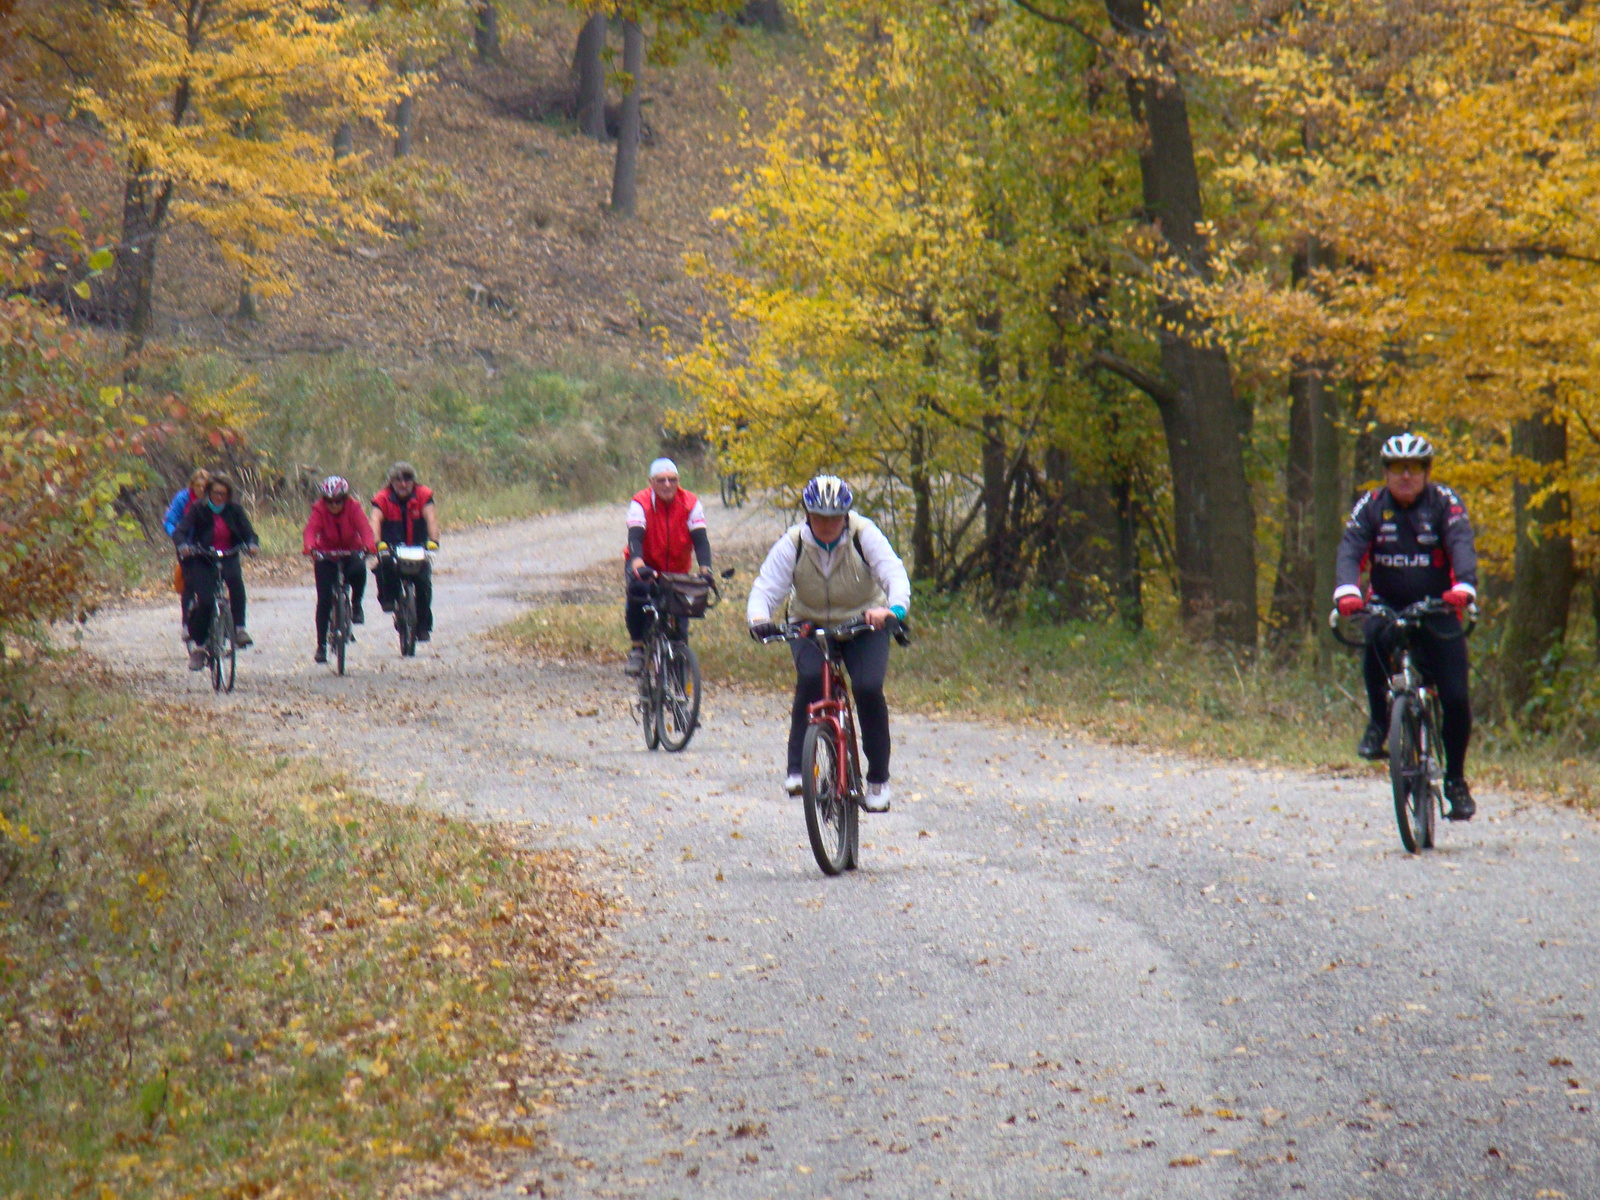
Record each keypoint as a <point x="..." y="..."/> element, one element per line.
<point x="679" y="711"/>
<point x="1407" y="774"/>
<point x="827" y="820"/>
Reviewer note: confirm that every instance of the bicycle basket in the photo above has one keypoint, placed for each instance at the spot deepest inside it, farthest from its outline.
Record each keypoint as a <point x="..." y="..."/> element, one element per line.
<point x="410" y="559"/>
<point x="684" y="596"/>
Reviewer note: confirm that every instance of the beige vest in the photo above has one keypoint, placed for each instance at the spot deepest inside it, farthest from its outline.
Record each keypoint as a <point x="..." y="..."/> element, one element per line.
<point x="836" y="598"/>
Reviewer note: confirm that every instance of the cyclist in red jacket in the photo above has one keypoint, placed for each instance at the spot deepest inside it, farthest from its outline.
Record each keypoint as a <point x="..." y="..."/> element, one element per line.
<point x="403" y="512"/>
<point x="337" y="526"/>
<point x="666" y="532"/>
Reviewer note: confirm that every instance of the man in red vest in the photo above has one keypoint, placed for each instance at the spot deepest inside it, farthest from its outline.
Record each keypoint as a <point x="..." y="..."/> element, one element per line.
<point x="666" y="532"/>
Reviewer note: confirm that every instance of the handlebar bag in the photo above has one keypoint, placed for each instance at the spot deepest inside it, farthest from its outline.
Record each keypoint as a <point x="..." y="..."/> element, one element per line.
<point x="685" y="597"/>
<point x="410" y="559"/>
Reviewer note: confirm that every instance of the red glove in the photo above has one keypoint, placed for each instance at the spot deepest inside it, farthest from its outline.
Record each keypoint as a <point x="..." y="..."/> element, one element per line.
<point x="1459" y="599"/>
<point x="1350" y="605"/>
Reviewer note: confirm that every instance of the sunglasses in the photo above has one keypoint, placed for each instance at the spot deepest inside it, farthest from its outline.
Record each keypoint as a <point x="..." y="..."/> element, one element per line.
<point x="1407" y="468"/>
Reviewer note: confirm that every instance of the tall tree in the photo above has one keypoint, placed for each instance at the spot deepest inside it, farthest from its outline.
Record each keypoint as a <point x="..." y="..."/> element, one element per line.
<point x="219" y="113"/>
<point x="625" y="175"/>
<point x="486" y="31"/>
<point x="588" y="62"/>
<point x="1204" y="421"/>
<point x="1542" y="578"/>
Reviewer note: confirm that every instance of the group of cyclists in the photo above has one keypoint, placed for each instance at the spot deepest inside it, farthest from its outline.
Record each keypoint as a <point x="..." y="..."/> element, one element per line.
<point x="1411" y="536"/>
<point x="204" y="518"/>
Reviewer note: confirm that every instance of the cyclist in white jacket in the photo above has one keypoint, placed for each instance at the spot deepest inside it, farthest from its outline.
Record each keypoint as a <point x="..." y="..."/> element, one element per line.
<point x="834" y="567"/>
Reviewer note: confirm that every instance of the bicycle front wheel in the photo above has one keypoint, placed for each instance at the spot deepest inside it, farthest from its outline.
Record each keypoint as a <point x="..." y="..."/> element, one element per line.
<point x="650" y="696"/>
<point x="408" y="619"/>
<point x="1408" y="774"/>
<point x="679" y="712"/>
<point x="341" y="628"/>
<point x="827" y="822"/>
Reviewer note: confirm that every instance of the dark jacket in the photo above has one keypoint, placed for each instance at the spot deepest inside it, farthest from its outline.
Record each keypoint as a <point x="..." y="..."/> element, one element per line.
<point x="1412" y="553"/>
<point x="195" y="528"/>
<point x="402" y="523"/>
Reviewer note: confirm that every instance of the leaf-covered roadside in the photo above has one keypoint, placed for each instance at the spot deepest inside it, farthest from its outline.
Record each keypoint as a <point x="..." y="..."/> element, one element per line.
<point x="233" y="977"/>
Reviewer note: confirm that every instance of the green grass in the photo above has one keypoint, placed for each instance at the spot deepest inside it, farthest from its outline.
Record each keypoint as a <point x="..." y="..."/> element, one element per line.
<point x="222" y="975"/>
<point x="1151" y="689"/>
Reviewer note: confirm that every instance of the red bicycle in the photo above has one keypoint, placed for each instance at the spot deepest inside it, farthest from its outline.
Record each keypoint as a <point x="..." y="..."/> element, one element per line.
<point x="830" y="763"/>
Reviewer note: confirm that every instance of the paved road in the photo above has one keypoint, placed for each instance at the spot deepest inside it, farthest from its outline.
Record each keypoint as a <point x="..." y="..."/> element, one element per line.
<point x="1063" y="971"/>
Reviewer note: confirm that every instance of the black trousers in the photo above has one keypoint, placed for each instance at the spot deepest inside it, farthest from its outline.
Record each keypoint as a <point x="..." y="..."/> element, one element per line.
<point x="1444" y="662"/>
<point x="327" y="570"/>
<point x="867" y="660"/>
<point x="387" y="576"/>
<point x="633" y="613"/>
<point x="202" y="578"/>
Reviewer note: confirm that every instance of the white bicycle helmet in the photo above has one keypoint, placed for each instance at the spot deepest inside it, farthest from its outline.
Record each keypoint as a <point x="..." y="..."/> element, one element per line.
<point x="1407" y="447"/>
<point x="827" y="496"/>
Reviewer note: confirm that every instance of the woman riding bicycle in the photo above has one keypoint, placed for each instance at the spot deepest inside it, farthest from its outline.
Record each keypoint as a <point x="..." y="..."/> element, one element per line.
<point x="218" y="524"/>
<point x="1415" y="538"/>
<point x="835" y="566"/>
<point x="337" y="527"/>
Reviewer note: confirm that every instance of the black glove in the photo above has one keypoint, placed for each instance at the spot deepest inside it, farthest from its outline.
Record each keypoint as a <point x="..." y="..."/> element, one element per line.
<point x="705" y="573"/>
<point x="762" y="630"/>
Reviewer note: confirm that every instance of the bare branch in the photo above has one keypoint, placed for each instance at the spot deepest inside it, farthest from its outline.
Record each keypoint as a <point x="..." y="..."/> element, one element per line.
<point x="1147" y="383"/>
<point x="1066" y="22"/>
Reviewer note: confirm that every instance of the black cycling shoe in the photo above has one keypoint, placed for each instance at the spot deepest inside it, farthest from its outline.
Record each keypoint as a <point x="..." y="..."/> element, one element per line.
<point x="357" y="617"/>
<point x="321" y="656"/>
<point x="1371" y="744"/>
<point x="424" y="635"/>
<point x="1460" y="796"/>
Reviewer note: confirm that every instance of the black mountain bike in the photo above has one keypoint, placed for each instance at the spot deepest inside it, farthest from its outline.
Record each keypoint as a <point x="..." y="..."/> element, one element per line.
<point x="1416" y="754"/>
<point x="668" y="707"/>
<point x="341" y="632"/>
<point x="409" y="562"/>
<point x="831" y="783"/>
<point x="221" y="652"/>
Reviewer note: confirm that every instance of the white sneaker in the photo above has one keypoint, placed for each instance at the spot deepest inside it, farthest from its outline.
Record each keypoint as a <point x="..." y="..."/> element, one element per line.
<point x="877" y="798"/>
<point x="793" y="784"/>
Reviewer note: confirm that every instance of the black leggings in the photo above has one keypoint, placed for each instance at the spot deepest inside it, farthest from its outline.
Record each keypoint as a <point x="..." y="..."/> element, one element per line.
<point x="867" y="660"/>
<point x="387" y="576"/>
<point x="200" y="578"/>
<point x="327" y="570"/>
<point x="1444" y="662"/>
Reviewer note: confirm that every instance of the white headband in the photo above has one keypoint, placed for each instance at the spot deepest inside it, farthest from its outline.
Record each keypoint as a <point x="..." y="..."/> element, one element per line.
<point x="663" y="466"/>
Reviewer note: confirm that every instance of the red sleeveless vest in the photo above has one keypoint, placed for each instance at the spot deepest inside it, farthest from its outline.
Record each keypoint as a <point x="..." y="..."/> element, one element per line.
<point x="667" y="545"/>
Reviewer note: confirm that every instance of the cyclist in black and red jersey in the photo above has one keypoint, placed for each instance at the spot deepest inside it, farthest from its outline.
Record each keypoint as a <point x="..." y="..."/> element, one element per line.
<point x="1413" y="537"/>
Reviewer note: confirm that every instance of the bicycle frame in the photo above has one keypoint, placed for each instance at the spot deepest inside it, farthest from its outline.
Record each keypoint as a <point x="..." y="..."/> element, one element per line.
<point x="836" y="714"/>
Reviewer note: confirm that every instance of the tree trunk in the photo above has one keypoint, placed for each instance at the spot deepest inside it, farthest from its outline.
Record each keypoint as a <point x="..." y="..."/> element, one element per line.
<point x="1203" y="419"/>
<point x="1130" y="582"/>
<point x="768" y="14"/>
<point x="625" y="179"/>
<point x="1292" y="588"/>
<point x="247" y="310"/>
<point x="923" y="564"/>
<point x="403" y="113"/>
<point x="144" y="210"/>
<point x="486" y="32"/>
<point x="344" y="140"/>
<point x="1328" y="508"/>
<point x="591" y="77"/>
<point x="1541" y="588"/>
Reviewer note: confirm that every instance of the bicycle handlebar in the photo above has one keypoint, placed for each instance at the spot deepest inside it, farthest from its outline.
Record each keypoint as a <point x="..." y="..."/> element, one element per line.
<point x="1411" y="615"/>
<point x="193" y="551"/>
<point x="798" y="630"/>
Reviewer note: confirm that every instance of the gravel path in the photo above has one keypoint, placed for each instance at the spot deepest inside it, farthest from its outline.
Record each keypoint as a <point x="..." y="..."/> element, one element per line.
<point x="1064" y="970"/>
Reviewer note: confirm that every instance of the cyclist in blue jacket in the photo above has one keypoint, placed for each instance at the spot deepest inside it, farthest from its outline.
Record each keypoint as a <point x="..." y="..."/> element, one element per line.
<point x="196" y="490"/>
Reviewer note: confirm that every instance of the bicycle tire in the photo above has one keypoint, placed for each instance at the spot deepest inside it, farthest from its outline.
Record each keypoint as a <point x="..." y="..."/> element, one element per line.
<point x="1405" y="768"/>
<point x="408" y="619"/>
<point x="827" y="824"/>
<point x="650" y="695"/>
<point x="852" y="812"/>
<point x="1424" y="804"/>
<point x="678" y="714"/>
<point x="341" y="627"/>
